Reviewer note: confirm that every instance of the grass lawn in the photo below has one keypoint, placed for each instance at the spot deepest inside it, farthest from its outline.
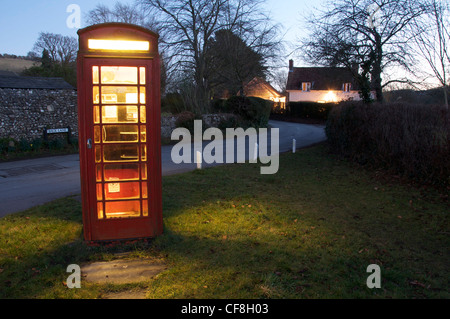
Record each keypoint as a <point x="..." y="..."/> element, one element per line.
<point x="310" y="231"/>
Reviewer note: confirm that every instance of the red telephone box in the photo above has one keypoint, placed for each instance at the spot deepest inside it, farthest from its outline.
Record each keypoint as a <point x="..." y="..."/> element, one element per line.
<point x="119" y="131"/>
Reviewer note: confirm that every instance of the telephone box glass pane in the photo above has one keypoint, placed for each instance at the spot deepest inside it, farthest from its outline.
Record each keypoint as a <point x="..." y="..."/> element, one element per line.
<point x="119" y="114"/>
<point x="144" y="171"/>
<point x="143" y="134"/>
<point x="97" y="134"/>
<point x="96" y="114"/>
<point x="123" y="209"/>
<point x="143" y="153"/>
<point x="145" y="208"/>
<point x="95" y="74"/>
<point x="96" y="95"/>
<point x="98" y="154"/>
<point x="119" y="75"/>
<point x="98" y="170"/>
<point x="142" y="76"/>
<point x="143" y="114"/>
<point x="126" y="190"/>
<point x="100" y="210"/>
<point x="144" y="190"/>
<point x="120" y="133"/>
<point x="99" y="191"/>
<point x="120" y="153"/>
<point x="119" y="94"/>
<point x="121" y="172"/>
<point x="142" y="95"/>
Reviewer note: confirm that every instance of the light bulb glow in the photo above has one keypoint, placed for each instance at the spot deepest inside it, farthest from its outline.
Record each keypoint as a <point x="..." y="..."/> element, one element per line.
<point x="118" y="45"/>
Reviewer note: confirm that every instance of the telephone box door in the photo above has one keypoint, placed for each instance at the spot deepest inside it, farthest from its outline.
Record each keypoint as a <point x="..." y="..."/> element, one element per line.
<point x="120" y="160"/>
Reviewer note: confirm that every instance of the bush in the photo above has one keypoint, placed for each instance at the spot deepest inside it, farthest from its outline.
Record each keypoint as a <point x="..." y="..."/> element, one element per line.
<point x="173" y="103"/>
<point x="186" y="119"/>
<point x="219" y="105"/>
<point x="12" y="149"/>
<point x="310" y="110"/>
<point x="411" y="140"/>
<point x="253" y="111"/>
<point x="57" y="144"/>
<point x="7" y="145"/>
<point x="24" y="146"/>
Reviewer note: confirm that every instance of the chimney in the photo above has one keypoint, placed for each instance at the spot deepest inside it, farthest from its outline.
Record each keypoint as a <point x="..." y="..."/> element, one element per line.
<point x="291" y="65"/>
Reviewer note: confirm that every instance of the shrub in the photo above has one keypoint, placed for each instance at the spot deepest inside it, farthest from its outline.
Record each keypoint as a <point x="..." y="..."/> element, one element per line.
<point x="219" y="105"/>
<point x="253" y="111"/>
<point x="229" y="122"/>
<point x="311" y="110"/>
<point x="24" y="146"/>
<point x="186" y="119"/>
<point x="7" y="145"/>
<point x="412" y="140"/>
<point x="57" y="144"/>
<point x="36" y="144"/>
<point x="173" y="103"/>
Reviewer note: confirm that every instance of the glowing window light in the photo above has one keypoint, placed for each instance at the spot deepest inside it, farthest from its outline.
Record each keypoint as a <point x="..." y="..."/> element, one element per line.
<point x="330" y="97"/>
<point x="133" y="97"/>
<point x="118" y="45"/>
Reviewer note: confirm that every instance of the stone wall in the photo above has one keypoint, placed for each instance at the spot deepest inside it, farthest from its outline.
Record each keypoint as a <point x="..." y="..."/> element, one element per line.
<point x="25" y="113"/>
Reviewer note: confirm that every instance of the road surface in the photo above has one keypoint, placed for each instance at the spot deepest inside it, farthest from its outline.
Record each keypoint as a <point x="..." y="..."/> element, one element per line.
<point x="28" y="183"/>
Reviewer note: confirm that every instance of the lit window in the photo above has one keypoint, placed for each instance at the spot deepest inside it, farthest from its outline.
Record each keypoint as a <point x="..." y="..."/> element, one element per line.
<point x="347" y="87"/>
<point x="306" y="86"/>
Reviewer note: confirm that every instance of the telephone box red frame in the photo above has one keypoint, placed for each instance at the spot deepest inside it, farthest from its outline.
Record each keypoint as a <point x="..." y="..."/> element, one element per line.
<point x="96" y="229"/>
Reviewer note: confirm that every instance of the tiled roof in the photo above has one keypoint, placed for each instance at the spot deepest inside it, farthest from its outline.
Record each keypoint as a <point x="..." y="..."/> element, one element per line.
<point x="258" y="84"/>
<point x="27" y="82"/>
<point x="321" y="78"/>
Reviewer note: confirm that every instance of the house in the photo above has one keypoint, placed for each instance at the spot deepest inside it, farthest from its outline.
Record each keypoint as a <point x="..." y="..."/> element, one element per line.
<point x="29" y="105"/>
<point x="320" y="84"/>
<point x="258" y="87"/>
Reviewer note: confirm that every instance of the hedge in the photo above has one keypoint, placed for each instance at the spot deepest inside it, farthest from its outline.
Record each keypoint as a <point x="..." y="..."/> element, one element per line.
<point x="312" y="110"/>
<point x="411" y="140"/>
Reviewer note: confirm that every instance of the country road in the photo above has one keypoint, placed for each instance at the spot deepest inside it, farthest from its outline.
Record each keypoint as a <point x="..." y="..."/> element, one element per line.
<point x="28" y="183"/>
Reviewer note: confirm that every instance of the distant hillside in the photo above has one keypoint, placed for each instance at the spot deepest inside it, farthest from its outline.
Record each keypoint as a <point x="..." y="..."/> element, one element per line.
<point x="16" y="65"/>
<point x="432" y="96"/>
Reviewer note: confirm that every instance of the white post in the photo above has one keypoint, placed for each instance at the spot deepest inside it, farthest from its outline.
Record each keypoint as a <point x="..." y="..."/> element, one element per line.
<point x="255" y="153"/>
<point x="293" y="145"/>
<point x="199" y="160"/>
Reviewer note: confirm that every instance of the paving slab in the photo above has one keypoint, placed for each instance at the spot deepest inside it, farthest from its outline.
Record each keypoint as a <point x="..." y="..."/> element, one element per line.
<point x="129" y="294"/>
<point x="122" y="271"/>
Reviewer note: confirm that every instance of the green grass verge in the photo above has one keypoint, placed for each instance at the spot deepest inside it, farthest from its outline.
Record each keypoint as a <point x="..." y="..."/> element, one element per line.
<point x="310" y="231"/>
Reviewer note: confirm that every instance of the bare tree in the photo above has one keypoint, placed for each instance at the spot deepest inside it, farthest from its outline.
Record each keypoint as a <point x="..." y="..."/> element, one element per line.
<point x="122" y="12"/>
<point x="369" y="33"/>
<point x="188" y="27"/>
<point x="61" y="49"/>
<point x="132" y="14"/>
<point x="431" y="34"/>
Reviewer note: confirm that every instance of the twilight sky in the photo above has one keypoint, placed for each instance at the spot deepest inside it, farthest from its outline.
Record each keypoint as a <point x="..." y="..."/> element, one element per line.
<point x="21" y="21"/>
